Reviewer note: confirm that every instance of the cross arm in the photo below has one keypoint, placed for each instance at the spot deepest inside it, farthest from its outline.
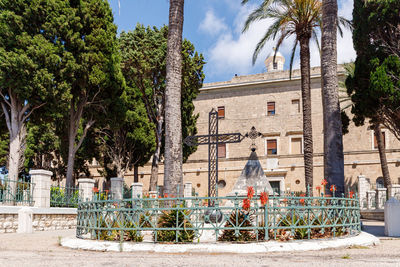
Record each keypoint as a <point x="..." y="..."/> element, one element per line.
<point x="212" y="139"/>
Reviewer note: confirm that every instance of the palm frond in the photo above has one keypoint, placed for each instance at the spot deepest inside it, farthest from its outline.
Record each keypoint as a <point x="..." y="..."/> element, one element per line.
<point x="291" y="58"/>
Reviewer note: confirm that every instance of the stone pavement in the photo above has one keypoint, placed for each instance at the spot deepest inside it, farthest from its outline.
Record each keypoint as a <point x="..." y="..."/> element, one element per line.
<point x="42" y="249"/>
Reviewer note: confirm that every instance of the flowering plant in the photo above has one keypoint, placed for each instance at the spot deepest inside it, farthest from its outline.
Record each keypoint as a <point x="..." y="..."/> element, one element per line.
<point x="264" y="198"/>
<point x="333" y="188"/>
<point x="246" y="204"/>
<point x="95" y="189"/>
<point x="324" y="182"/>
<point x="302" y="199"/>
<point x="250" y="192"/>
<point x="351" y="194"/>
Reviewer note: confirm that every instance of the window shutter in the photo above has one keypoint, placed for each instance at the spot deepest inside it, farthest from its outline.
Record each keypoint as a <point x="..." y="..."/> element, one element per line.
<point x="221" y="112"/>
<point x="221" y="150"/>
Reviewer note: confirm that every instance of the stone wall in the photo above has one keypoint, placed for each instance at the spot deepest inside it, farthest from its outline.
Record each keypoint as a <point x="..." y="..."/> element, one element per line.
<point x="44" y="222"/>
<point x="43" y="219"/>
<point x="8" y="223"/>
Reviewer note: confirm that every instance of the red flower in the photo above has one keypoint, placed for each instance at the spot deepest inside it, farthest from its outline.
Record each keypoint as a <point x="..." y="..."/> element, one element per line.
<point x="333" y="188"/>
<point x="318" y="188"/>
<point x="250" y="192"/>
<point x="324" y="182"/>
<point x="246" y="204"/>
<point x="263" y="198"/>
<point x="166" y="195"/>
<point x="351" y="194"/>
<point x="302" y="200"/>
<point x="95" y="189"/>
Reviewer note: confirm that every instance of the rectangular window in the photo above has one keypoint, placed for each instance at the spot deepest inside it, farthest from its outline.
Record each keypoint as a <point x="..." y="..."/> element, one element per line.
<point x="221" y="150"/>
<point x="272" y="147"/>
<point x="296" y="146"/>
<point x="221" y="112"/>
<point x="295" y="106"/>
<point x="376" y="142"/>
<point x="271" y="108"/>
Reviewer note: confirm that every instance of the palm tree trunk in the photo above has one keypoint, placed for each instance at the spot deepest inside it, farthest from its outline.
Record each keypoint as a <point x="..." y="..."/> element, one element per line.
<point x="333" y="139"/>
<point x="173" y="126"/>
<point x="382" y="155"/>
<point x="307" y="123"/>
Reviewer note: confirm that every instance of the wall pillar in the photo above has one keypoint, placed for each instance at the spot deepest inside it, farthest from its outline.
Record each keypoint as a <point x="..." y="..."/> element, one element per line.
<point x="392" y="217"/>
<point x="25" y="217"/>
<point x="371" y="197"/>
<point x="117" y="185"/>
<point x="394" y="191"/>
<point x="364" y="185"/>
<point x="380" y="197"/>
<point x="86" y="186"/>
<point x="187" y="190"/>
<point x="137" y="190"/>
<point x="41" y="190"/>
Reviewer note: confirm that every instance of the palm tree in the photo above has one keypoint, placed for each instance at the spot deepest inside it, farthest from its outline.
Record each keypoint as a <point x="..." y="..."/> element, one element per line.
<point x="173" y="128"/>
<point x="299" y="18"/>
<point x="333" y="138"/>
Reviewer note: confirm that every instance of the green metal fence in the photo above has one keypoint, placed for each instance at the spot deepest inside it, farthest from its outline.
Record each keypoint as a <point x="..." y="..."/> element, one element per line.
<point x="64" y="196"/>
<point x="229" y="219"/>
<point x="16" y="192"/>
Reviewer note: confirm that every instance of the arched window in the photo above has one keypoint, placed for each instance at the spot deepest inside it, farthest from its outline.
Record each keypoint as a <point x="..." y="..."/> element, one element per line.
<point x="379" y="182"/>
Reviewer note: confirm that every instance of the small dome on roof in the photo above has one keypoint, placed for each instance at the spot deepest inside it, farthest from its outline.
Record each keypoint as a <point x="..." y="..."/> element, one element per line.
<point x="277" y="64"/>
<point x="278" y="54"/>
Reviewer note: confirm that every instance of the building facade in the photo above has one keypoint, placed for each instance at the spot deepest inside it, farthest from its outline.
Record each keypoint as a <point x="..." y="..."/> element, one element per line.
<point x="271" y="102"/>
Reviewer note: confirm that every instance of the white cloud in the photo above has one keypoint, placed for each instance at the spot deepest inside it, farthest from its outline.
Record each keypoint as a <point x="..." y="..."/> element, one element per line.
<point x="212" y="24"/>
<point x="232" y="51"/>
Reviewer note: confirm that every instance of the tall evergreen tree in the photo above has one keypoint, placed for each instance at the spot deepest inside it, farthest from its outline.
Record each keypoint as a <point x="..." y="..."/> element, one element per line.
<point x="375" y="87"/>
<point x="29" y="59"/>
<point x="128" y="139"/>
<point x="144" y="66"/>
<point x="93" y="78"/>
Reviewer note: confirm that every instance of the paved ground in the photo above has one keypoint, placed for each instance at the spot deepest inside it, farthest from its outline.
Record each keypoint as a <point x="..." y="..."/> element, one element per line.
<point x="42" y="249"/>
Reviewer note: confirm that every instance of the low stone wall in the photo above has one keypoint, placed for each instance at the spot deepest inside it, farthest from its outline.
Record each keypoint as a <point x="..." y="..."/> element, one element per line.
<point x="44" y="219"/>
<point x="8" y="223"/>
<point x="377" y="215"/>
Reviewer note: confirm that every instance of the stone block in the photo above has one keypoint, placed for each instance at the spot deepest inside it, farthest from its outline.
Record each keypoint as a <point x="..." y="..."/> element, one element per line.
<point x="25" y="216"/>
<point x="392" y="217"/>
<point x="394" y="191"/>
<point x="137" y="190"/>
<point x="117" y="184"/>
<point x="86" y="186"/>
<point x="41" y="191"/>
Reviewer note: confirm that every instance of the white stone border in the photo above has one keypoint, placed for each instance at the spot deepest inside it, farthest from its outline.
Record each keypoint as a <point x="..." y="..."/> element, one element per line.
<point x="363" y="239"/>
<point x="55" y="211"/>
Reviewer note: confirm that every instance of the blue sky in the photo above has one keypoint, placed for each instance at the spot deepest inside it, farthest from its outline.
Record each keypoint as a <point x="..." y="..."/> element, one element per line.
<point x="214" y="26"/>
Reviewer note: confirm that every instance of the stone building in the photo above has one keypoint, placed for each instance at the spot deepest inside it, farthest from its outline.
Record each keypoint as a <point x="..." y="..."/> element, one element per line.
<point x="271" y="102"/>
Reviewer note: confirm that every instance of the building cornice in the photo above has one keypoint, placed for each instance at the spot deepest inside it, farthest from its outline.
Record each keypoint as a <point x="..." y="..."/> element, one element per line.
<point x="263" y="79"/>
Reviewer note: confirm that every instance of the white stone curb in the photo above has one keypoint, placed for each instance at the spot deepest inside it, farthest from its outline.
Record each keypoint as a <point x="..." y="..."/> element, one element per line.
<point x="363" y="239"/>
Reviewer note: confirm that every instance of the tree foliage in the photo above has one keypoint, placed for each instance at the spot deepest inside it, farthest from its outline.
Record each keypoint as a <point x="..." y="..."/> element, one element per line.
<point x="92" y="75"/>
<point x="128" y="138"/>
<point x="143" y="52"/>
<point x="375" y="87"/>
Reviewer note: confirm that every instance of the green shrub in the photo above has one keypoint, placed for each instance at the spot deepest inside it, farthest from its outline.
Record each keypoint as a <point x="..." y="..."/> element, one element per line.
<point x="115" y="234"/>
<point x="244" y="220"/>
<point x="168" y="220"/>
